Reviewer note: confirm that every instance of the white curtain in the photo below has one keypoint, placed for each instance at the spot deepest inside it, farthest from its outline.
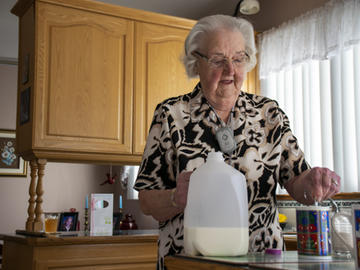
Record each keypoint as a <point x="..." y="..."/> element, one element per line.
<point x="313" y="71"/>
<point x="318" y="34"/>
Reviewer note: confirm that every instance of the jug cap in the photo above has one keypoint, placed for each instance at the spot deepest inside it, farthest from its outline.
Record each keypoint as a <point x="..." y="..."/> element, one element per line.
<point x="273" y="251"/>
<point x="215" y="155"/>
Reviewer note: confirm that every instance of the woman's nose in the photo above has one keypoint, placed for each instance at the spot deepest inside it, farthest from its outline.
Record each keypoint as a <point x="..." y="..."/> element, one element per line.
<point x="229" y="67"/>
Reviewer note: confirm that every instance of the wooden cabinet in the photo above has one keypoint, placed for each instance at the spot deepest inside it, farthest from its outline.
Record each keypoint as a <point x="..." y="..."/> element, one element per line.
<point x="90" y="75"/>
<point x="82" y="83"/>
<point x="252" y="82"/>
<point x="157" y="62"/>
<point x="95" y="253"/>
<point x="290" y="242"/>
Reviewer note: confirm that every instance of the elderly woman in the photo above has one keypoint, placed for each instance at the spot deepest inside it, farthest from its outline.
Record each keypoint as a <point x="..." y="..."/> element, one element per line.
<point x="221" y="50"/>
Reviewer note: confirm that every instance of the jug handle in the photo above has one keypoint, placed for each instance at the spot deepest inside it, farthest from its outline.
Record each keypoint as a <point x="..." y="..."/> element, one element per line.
<point x="337" y="211"/>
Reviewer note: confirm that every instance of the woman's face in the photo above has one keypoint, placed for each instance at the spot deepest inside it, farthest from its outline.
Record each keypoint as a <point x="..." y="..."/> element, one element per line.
<point x="69" y="221"/>
<point x="221" y="85"/>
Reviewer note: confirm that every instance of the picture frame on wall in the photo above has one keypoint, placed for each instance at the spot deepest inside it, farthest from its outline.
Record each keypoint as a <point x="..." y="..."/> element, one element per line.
<point x="68" y="221"/>
<point x="11" y="164"/>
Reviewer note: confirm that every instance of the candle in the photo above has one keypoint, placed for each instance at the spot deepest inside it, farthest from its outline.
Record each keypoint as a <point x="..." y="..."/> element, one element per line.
<point x="120" y="202"/>
<point x="86" y="202"/>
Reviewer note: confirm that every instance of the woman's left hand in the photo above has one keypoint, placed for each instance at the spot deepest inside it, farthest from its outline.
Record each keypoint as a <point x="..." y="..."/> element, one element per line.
<point x="320" y="184"/>
<point x="314" y="185"/>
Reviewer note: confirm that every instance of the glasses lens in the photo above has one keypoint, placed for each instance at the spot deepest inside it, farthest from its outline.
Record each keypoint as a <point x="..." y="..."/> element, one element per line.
<point x="221" y="62"/>
<point x="240" y="61"/>
<point x="217" y="62"/>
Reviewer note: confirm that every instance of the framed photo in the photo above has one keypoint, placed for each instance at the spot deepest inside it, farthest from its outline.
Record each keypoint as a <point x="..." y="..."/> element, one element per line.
<point x="10" y="163"/>
<point x="117" y="217"/>
<point x="68" y="221"/>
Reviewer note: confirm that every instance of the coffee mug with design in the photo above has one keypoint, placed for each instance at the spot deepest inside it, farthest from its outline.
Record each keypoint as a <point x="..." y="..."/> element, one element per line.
<point x="313" y="230"/>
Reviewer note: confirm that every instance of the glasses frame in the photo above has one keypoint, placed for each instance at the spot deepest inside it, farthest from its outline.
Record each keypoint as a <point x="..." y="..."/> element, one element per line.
<point x="212" y="64"/>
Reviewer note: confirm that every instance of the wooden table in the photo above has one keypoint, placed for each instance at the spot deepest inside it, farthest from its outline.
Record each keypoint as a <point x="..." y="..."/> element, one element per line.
<point x="128" y="250"/>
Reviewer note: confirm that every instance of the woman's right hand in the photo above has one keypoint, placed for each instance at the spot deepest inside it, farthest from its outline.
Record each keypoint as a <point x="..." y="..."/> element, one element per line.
<point x="166" y="203"/>
<point x="181" y="192"/>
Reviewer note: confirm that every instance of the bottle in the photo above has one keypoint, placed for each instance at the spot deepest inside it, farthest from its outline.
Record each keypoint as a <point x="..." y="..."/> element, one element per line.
<point x="341" y="232"/>
<point x="216" y="214"/>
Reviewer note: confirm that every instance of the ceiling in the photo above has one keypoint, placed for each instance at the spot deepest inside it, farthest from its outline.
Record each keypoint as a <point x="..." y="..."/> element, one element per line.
<point x="191" y="9"/>
<point x="272" y="13"/>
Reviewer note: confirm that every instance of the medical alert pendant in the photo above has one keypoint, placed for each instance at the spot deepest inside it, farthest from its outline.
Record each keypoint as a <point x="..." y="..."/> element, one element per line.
<point x="226" y="140"/>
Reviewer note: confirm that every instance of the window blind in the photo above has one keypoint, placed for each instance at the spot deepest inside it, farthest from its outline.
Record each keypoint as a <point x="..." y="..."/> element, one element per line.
<point x="322" y="101"/>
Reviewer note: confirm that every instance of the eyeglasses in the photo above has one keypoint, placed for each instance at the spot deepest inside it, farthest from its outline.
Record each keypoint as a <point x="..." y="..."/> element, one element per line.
<point x="218" y="61"/>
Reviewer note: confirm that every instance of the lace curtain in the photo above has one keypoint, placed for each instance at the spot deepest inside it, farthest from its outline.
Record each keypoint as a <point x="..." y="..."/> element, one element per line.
<point x="318" y="34"/>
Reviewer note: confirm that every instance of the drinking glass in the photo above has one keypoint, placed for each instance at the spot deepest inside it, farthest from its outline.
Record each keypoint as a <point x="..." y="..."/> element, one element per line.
<point x="51" y="221"/>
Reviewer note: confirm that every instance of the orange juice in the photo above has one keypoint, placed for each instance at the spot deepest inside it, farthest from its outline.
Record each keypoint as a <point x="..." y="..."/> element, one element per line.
<point x="51" y="222"/>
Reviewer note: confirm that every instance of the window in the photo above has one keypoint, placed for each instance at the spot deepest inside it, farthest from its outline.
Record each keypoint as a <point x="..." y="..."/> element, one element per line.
<point x="316" y="81"/>
<point x="322" y="101"/>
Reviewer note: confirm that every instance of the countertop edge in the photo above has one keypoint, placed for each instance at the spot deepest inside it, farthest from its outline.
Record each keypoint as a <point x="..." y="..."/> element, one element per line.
<point x="78" y="238"/>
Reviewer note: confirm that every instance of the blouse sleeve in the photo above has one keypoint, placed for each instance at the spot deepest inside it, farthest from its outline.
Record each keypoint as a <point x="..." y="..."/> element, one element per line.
<point x="157" y="166"/>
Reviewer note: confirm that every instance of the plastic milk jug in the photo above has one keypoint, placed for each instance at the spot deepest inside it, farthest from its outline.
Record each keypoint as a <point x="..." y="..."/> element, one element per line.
<point x="216" y="214"/>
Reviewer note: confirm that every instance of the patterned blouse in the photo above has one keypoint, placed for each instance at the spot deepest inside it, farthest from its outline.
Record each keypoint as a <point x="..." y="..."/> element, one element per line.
<point x="182" y="134"/>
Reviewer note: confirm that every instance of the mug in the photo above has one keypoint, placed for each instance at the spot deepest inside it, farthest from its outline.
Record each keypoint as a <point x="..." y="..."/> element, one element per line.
<point x="313" y="230"/>
<point x="356" y="233"/>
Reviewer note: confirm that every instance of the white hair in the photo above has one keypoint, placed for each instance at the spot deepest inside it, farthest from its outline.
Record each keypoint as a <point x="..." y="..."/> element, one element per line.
<point x="210" y="24"/>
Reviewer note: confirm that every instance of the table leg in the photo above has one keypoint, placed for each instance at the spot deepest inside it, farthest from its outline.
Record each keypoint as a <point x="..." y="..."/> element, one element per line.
<point x="32" y="192"/>
<point x="39" y="223"/>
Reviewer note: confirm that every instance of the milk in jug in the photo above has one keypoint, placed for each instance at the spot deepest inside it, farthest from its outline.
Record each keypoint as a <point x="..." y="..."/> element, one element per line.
<point x="216" y="214"/>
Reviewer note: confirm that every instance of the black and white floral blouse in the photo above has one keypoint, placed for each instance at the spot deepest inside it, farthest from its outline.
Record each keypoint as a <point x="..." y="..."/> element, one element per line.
<point x="183" y="133"/>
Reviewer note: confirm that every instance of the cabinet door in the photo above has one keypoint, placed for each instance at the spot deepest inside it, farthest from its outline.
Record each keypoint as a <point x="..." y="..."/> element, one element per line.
<point x="83" y="87"/>
<point x="159" y="73"/>
<point x="252" y="83"/>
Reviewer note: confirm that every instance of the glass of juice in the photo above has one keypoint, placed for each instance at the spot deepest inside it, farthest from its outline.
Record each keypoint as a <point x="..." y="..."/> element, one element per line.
<point x="51" y="221"/>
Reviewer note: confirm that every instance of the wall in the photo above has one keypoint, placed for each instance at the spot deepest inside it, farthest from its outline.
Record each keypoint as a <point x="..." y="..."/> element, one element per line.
<point x="8" y="31"/>
<point x="65" y="184"/>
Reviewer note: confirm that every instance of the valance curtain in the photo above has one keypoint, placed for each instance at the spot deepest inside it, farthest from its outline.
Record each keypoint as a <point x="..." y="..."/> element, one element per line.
<point x="317" y="35"/>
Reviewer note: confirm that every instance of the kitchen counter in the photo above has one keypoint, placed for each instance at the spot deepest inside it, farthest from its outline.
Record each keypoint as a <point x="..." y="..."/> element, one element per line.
<point x="80" y="237"/>
<point x="288" y="260"/>
<point x="134" y="249"/>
